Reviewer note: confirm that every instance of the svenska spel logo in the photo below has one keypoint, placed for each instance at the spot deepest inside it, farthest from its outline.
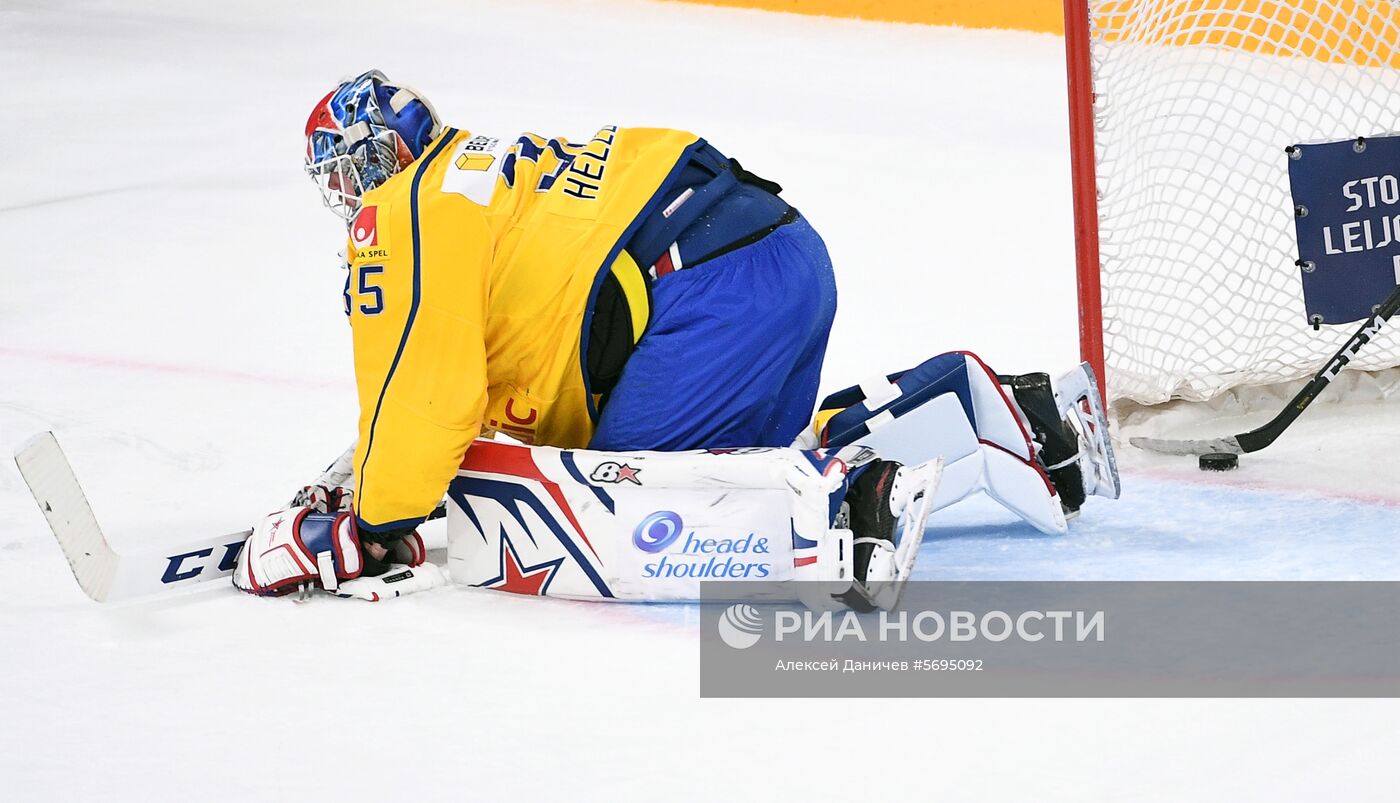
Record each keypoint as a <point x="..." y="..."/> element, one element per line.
<point x="364" y="232"/>
<point x="657" y="531"/>
<point x="740" y="626"/>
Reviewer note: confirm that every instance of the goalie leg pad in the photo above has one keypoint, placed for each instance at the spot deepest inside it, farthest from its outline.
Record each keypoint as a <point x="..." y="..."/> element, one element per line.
<point x="862" y="413"/>
<point x="950" y="407"/>
<point x="645" y="526"/>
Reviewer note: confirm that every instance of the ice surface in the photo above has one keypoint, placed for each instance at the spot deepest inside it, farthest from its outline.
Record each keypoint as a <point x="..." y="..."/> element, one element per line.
<point x="171" y="308"/>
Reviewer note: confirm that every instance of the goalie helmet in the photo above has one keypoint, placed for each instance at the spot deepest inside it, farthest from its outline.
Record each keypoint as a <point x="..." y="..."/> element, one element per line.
<point x="361" y="133"/>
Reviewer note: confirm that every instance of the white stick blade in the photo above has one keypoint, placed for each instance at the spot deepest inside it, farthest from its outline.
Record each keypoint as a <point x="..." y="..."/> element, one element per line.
<point x="55" y="488"/>
<point x="1162" y="446"/>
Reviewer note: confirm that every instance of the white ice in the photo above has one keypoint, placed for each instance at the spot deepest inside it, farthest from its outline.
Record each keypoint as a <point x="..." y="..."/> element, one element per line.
<point x="170" y="306"/>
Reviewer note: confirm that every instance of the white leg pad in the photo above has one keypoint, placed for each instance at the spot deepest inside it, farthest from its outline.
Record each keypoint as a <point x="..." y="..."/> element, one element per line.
<point x="1022" y="489"/>
<point x="999" y="420"/>
<point x="1016" y="485"/>
<point x="650" y="526"/>
<point x="998" y="458"/>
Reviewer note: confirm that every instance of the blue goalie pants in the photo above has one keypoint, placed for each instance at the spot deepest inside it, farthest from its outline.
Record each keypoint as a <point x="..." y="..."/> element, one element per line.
<point x="733" y="353"/>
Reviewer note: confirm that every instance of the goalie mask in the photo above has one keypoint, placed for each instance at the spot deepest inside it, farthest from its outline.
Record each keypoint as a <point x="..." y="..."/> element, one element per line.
<point x="361" y="134"/>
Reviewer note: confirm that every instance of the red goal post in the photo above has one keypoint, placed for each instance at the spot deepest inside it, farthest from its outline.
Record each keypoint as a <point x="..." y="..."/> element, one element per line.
<point x="1080" y="79"/>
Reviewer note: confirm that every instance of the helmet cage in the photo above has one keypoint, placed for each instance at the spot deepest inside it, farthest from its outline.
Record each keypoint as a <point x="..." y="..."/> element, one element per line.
<point x="352" y="149"/>
<point x="344" y="175"/>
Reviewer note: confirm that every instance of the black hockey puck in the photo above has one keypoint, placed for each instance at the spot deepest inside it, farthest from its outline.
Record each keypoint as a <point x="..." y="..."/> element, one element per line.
<point x="1220" y="461"/>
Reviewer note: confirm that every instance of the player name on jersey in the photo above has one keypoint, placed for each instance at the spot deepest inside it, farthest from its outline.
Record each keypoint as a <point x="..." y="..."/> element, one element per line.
<point x="584" y="178"/>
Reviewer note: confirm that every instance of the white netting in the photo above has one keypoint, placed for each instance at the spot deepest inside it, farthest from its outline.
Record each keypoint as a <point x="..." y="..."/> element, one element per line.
<point x="1196" y="100"/>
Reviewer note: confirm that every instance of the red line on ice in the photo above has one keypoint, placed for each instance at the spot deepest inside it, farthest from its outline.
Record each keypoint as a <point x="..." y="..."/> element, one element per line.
<point x="1219" y="482"/>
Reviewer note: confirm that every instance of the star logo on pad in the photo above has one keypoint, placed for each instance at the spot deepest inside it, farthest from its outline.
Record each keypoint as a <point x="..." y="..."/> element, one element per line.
<point x="518" y="578"/>
<point x="613" y="472"/>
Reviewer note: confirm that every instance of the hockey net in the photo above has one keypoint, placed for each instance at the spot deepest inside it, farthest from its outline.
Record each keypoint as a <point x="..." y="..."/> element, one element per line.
<point x="1193" y="102"/>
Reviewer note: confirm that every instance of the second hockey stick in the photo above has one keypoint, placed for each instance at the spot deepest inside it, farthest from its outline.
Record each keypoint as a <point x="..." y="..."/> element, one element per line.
<point x="1256" y="439"/>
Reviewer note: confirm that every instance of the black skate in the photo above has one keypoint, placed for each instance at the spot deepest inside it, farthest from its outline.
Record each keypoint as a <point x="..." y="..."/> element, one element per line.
<point x="884" y="511"/>
<point x="1068" y="418"/>
<point x="1059" y="444"/>
<point x="871" y="518"/>
<point x="872" y="511"/>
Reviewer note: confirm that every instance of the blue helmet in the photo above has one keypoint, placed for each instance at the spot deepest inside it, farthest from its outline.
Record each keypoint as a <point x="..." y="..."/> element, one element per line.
<point x="361" y="133"/>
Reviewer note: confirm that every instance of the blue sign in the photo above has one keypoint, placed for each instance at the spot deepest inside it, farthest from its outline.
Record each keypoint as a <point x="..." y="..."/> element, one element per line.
<point x="1346" y="206"/>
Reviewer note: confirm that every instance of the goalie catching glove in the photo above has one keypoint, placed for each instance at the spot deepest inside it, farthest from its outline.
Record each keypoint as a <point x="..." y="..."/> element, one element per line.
<point x="306" y="547"/>
<point x="325" y="498"/>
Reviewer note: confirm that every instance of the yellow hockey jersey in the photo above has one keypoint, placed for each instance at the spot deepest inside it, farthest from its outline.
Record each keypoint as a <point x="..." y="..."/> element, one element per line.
<point x="471" y="276"/>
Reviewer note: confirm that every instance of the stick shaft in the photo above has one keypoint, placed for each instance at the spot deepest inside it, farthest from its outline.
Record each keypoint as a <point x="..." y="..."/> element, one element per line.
<point x="1257" y="439"/>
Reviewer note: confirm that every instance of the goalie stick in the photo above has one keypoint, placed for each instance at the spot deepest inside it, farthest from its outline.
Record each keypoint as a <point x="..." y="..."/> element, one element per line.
<point x="1256" y="439"/>
<point x="104" y="574"/>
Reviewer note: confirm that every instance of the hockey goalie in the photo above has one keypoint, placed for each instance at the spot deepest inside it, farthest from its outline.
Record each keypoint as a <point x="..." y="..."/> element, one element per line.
<point x="646" y="321"/>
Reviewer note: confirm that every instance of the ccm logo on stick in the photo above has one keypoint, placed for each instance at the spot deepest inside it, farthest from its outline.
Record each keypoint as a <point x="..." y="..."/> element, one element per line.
<point x="192" y="564"/>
